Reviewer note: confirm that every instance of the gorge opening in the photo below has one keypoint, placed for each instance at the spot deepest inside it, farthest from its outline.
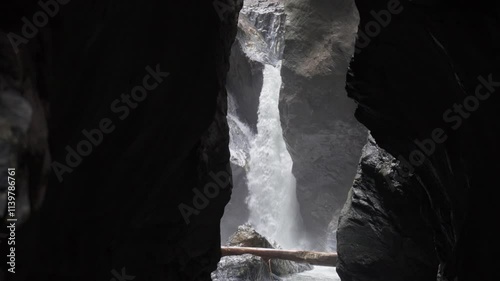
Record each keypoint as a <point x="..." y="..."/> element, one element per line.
<point x="304" y="127"/>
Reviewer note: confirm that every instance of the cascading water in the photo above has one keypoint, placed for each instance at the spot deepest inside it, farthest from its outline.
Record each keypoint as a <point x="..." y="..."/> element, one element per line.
<point x="272" y="201"/>
<point x="263" y="155"/>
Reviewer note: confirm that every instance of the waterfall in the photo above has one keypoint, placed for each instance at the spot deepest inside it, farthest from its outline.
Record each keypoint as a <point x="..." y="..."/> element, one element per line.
<point x="239" y="134"/>
<point x="262" y="167"/>
<point x="272" y="200"/>
<point x="262" y="154"/>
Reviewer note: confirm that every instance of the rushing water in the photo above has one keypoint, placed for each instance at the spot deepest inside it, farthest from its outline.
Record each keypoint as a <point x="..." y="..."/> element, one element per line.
<point x="319" y="273"/>
<point x="272" y="201"/>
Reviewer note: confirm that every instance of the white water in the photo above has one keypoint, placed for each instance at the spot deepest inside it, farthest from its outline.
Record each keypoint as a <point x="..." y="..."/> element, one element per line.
<point x="240" y="135"/>
<point x="272" y="200"/>
<point x="319" y="273"/>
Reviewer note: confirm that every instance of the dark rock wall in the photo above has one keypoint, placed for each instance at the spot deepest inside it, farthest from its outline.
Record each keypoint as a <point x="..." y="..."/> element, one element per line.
<point x="382" y="231"/>
<point x="23" y="132"/>
<point x="236" y="211"/>
<point x="244" y="81"/>
<point x="407" y="80"/>
<point x="269" y="18"/>
<point x="322" y="135"/>
<point x="259" y="41"/>
<point x="119" y="208"/>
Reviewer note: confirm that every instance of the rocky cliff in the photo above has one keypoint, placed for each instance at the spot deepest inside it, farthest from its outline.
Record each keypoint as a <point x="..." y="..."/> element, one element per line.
<point x="322" y="136"/>
<point x="125" y="102"/>
<point x="383" y="232"/>
<point x="135" y="109"/>
<point x="434" y="109"/>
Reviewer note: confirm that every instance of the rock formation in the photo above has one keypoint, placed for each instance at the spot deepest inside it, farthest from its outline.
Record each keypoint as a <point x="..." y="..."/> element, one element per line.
<point x="252" y="268"/>
<point x="426" y="86"/>
<point x="382" y="231"/>
<point x="115" y="210"/>
<point x="139" y="181"/>
<point x="323" y="137"/>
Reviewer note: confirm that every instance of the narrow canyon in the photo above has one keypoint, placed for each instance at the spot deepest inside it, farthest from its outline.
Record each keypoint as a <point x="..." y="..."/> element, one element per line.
<point x="137" y="138"/>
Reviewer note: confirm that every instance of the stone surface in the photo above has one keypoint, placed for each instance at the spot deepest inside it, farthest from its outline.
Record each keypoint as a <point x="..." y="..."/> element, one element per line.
<point x="236" y="211"/>
<point x="268" y="17"/>
<point x="405" y="94"/>
<point x="244" y="81"/>
<point x="247" y="236"/>
<point x="322" y="136"/>
<point x="118" y="210"/>
<point x="252" y="268"/>
<point x="259" y="41"/>
<point x="23" y="134"/>
<point x="242" y="268"/>
<point x="382" y="234"/>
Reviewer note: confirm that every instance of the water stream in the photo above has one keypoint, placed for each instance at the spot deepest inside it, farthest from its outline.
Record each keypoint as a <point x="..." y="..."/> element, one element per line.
<point x="272" y="202"/>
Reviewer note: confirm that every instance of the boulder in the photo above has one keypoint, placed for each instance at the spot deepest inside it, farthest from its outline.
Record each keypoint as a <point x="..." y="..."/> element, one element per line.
<point x="382" y="235"/>
<point x="252" y="268"/>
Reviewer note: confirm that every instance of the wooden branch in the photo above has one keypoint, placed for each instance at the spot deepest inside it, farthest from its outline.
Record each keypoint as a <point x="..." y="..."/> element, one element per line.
<point x="314" y="258"/>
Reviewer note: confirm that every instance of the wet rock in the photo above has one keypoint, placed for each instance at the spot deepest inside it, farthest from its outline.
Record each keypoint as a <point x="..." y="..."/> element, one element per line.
<point x="170" y="142"/>
<point x="236" y="211"/>
<point x="23" y="133"/>
<point x="247" y="236"/>
<point x="268" y="17"/>
<point x="248" y="267"/>
<point x="242" y="268"/>
<point x="259" y="41"/>
<point x="322" y="135"/>
<point x="244" y="81"/>
<point x="381" y="234"/>
<point x="404" y="96"/>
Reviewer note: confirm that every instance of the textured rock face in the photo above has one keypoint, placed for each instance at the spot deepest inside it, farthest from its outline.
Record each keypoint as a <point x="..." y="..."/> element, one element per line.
<point x="406" y="95"/>
<point x="23" y="134"/>
<point x="117" y="211"/>
<point x="244" y="81"/>
<point x="382" y="234"/>
<point x="236" y="211"/>
<point x="269" y="19"/>
<point x="247" y="236"/>
<point x="259" y="40"/>
<point x="252" y="268"/>
<point x="242" y="268"/>
<point x="323" y="137"/>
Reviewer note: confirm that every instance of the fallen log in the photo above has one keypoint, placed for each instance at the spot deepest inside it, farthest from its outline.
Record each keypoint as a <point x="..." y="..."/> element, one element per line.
<point x="311" y="257"/>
